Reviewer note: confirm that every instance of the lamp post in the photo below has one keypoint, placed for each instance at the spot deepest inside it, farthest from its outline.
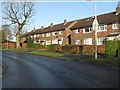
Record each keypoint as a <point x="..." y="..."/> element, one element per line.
<point x="95" y="31"/>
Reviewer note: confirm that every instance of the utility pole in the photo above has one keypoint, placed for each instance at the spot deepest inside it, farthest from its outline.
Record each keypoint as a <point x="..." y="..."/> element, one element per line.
<point x="95" y="32"/>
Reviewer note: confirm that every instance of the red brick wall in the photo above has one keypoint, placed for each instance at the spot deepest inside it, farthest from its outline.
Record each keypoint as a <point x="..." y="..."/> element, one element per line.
<point x="101" y="49"/>
<point x="76" y="49"/>
<point x="88" y="50"/>
<point x="24" y="45"/>
<point x="9" y="45"/>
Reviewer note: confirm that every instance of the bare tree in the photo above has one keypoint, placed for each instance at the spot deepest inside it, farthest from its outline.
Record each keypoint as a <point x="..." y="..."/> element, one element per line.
<point x="18" y="13"/>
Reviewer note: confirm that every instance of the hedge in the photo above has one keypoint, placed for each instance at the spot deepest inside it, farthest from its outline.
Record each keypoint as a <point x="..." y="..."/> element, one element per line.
<point x="111" y="47"/>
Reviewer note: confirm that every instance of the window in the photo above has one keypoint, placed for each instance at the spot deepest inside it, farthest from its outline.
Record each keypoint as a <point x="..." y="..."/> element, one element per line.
<point x="43" y="35"/>
<point x="48" y="42"/>
<point x="88" y="41"/>
<point x="47" y="34"/>
<point x="34" y="36"/>
<point x="34" y="42"/>
<point x="102" y="27"/>
<point x="78" y="42"/>
<point x="87" y="29"/>
<point x="77" y="30"/>
<point x="31" y="36"/>
<point x="55" y="41"/>
<point x="54" y="33"/>
<point x="111" y="38"/>
<point x="115" y="25"/>
<point x="60" y="32"/>
<point x="38" y="35"/>
<point x="100" y="41"/>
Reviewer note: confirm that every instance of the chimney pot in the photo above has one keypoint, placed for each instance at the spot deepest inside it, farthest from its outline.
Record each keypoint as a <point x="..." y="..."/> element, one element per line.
<point x="51" y="25"/>
<point x="65" y="21"/>
<point x="117" y="10"/>
<point x="42" y="27"/>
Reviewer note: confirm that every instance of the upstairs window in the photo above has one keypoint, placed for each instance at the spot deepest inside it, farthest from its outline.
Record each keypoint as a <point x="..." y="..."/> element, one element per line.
<point x="34" y="36"/>
<point x="47" y="34"/>
<point x="38" y="35"/>
<point x="60" y="32"/>
<point x="43" y="35"/>
<point x="87" y="29"/>
<point x="54" y="33"/>
<point x="102" y="27"/>
<point x="115" y="25"/>
<point x="77" y="30"/>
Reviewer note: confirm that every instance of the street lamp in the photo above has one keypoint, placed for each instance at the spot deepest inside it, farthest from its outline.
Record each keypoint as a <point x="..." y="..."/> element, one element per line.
<point x="95" y="28"/>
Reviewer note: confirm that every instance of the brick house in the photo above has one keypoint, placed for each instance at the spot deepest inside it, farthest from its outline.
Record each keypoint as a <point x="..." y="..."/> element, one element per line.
<point x="80" y="32"/>
<point x="53" y="34"/>
<point x="83" y="31"/>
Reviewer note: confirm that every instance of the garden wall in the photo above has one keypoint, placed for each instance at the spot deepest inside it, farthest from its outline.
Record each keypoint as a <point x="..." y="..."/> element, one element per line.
<point x="9" y="45"/>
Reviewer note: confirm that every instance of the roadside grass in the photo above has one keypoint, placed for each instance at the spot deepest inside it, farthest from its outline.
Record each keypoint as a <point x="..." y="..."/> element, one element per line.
<point x="51" y="54"/>
<point x="106" y="61"/>
<point x="18" y="49"/>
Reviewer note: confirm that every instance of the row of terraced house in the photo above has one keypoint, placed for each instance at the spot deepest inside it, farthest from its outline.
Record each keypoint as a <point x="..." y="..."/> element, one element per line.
<point x="79" y="32"/>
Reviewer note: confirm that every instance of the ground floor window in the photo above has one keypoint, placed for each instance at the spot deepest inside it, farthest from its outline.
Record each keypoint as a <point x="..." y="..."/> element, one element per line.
<point x="111" y="38"/>
<point x="100" y="41"/>
<point x="55" y="41"/>
<point x="78" y="42"/>
<point x="48" y="42"/>
<point x="88" y="41"/>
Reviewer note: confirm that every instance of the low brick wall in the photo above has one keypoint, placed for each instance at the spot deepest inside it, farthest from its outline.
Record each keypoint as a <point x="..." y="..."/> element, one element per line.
<point x="24" y="45"/>
<point x="79" y="49"/>
<point x="101" y="49"/>
<point x="88" y="50"/>
<point x="9" y="45"/>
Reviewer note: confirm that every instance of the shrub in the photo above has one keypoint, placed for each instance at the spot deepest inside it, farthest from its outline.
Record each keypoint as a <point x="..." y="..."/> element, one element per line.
<point x="30" y="43"/>
<point x="111" y="47"/>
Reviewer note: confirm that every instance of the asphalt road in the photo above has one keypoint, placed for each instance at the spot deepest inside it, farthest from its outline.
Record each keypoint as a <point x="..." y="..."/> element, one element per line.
<point x="22" y="70"/>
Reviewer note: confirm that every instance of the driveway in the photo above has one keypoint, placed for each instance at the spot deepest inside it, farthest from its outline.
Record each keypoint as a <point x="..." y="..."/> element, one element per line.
<point x="22" y="70"/>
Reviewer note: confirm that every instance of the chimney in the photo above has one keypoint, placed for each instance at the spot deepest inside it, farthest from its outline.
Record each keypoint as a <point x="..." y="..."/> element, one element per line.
<point x="51" y="25"/>
<point x="117" y="10"/>
<point x="42" y="27"/>
<point x="65" y="21"/>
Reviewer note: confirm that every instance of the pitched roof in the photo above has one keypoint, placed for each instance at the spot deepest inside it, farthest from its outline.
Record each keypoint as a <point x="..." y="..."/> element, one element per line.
<point x="102" y="19"/>
<point x="30" y="33"/>
<point x="56" y="27"/>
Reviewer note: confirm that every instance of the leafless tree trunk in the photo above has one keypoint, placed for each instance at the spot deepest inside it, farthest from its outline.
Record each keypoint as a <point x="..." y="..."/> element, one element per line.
<point x="17" y="13"/>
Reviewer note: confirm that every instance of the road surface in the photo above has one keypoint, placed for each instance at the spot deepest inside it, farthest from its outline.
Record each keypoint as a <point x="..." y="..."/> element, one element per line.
<point x="22" y="70"/>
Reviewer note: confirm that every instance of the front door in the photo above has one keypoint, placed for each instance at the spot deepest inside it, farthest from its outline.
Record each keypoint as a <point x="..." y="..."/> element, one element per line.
<point x="69" y="39"/>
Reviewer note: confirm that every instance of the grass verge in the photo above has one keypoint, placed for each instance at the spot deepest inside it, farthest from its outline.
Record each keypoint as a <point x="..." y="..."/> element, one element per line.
<point x="18" y="49"/>
<point x="106" y="61"/>
<point x="51" y="54"/>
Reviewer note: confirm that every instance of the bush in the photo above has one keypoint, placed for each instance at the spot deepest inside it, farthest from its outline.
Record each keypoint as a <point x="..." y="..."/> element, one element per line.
<point x="30" y="43"/>
<point x="111" y="47"/>
<point x="51" y="47"/>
